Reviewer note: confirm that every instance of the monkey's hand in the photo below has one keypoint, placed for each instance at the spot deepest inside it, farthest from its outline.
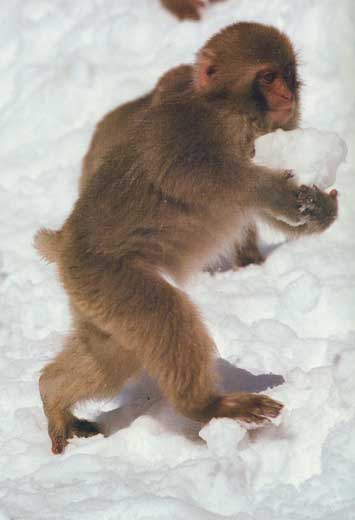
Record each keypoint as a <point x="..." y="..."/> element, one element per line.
<point x="249" y="408"/>
<point x="311" y="208"/>
<point x="306" y="208"/>
<point x="318" y="208"/>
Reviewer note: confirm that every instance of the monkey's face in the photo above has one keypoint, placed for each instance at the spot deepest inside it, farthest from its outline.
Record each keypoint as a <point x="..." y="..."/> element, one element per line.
<point x="275" y="89"/>
<point x="253" y="68"/>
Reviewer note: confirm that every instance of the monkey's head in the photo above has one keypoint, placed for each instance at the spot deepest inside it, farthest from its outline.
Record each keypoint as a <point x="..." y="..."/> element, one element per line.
<point x="252" y="67"/>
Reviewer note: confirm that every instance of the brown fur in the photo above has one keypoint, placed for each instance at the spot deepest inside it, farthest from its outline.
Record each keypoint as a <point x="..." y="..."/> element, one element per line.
<point x="117" y="126"/>
<point x="176" y="187"/>
<point x="47" y="243"/>
<point x="186" y="9"/>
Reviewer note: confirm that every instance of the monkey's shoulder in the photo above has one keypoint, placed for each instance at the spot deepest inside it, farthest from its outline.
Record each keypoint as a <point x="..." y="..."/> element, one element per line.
<point x="175" y="82"/>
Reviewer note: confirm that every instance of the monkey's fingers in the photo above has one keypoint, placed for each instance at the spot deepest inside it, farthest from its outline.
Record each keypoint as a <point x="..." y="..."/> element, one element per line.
<point x="318" y="208"/>
<point x="306" y="199"/>
<point x="333" y="193"/>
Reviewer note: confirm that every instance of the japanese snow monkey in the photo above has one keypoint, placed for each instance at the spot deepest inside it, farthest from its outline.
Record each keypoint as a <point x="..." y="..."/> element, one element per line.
<point x="167" y="184"/>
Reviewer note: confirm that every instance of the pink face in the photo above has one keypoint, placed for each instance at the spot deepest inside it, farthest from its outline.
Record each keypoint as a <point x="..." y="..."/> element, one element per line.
<point x="276" y="85"/>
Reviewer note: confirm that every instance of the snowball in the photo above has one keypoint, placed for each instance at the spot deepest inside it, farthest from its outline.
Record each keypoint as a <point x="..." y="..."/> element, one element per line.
<point x="314" y="156"/>
<point x="222" y="436"/>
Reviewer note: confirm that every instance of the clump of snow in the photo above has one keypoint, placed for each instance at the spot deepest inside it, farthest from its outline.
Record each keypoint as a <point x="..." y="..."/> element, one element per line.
<point x="286" y="328"/>
<point x="314" y="156"/>
<point x="222" y="436"/>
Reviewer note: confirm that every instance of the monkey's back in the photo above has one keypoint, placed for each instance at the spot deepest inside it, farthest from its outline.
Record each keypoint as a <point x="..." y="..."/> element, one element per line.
<point x="147" y="201"/>
<point x="114" y="128"/>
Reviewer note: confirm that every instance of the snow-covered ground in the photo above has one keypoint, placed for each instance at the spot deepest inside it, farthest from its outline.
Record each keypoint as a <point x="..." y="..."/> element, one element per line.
<point x="63" y="65"/>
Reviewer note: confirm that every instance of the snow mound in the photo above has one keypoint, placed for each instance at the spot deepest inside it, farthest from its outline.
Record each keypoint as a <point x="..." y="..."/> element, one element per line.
<point x="314" y="156"/>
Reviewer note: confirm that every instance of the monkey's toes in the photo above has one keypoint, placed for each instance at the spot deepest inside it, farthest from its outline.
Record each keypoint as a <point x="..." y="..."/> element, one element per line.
<point x="259" y="408"/>
<point x="250" y="408"/>
<point x="84" y="428"/>
<point x="58" y="444"/>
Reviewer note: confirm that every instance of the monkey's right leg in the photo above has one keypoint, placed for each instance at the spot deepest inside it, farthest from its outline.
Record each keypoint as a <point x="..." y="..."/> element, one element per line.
<point x="92" y="365"/>
<point x="160" y="324"/>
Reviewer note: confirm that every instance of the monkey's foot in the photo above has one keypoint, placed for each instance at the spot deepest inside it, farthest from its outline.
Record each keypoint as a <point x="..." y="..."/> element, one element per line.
<point x="249" y="408"/>
<point x="77" y="427"/>
<point x="58" y="443"/>
<point x="247" y="257"/>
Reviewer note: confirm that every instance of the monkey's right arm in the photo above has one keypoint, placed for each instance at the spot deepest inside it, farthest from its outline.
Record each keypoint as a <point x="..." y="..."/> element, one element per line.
<point x="293" y="208"/>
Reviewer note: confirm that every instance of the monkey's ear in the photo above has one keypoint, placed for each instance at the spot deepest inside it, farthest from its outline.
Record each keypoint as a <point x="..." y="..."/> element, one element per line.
<point x="205" y="70"/>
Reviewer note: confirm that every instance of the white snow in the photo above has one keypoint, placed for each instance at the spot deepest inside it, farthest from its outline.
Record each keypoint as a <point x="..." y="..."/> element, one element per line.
<point x="312" y="155"/>
<point x="63" y="65"/>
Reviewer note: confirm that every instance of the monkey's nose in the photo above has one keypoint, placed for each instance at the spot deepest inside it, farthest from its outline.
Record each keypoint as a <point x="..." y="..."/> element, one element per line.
<point x="286" y="94"/>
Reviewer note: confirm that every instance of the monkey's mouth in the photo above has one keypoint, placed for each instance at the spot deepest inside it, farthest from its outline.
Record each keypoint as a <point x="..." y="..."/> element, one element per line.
<point x="281" y="114"/>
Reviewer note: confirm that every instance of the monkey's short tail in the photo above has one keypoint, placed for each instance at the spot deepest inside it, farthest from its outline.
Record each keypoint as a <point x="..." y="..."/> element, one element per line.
<point x="47" y="243"/>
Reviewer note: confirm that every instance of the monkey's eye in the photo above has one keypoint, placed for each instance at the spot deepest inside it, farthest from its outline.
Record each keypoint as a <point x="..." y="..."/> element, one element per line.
<point x="268" y="77"/>
<point x="210" y="70"/>
<point x="288" y="72"/>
